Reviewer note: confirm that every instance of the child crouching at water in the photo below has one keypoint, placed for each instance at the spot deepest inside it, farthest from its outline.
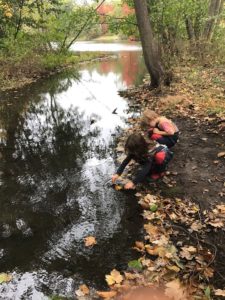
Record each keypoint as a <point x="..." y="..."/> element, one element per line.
<point x="161" y="129"/>
<point x="153" y="162"/>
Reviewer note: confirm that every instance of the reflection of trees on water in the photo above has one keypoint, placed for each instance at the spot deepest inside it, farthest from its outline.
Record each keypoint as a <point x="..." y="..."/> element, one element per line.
<point x="43" y="150"/>
<point x="129" y="67"/>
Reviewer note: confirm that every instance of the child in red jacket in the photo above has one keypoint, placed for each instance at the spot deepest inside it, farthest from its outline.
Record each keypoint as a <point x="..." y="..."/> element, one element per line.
<point x="153" y="162"/>
<point x="161" y="129"/>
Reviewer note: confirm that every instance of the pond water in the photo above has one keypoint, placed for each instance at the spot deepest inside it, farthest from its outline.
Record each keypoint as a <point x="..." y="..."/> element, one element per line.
<point x="57" y="140"/>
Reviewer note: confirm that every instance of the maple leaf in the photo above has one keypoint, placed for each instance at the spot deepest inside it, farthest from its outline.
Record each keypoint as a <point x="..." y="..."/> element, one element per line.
<point x="208" y="272"/>
<point x="90" y="241"/>
<point x="187" y="252"/>
<point x="151" y="230"/>
<point x="196" y="226"/>
<point x="114" y="277"/>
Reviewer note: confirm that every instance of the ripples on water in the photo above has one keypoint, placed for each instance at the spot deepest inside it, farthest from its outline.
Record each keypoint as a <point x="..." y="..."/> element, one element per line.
<point x="57" y="139"/>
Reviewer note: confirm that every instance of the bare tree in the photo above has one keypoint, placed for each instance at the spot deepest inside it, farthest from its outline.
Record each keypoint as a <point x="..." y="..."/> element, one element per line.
<point x="150" y="51"/>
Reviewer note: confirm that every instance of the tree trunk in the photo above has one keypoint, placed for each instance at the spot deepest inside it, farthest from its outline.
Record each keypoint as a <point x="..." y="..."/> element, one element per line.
<point x="19" y="23"/>
<point x="215" y="8"/>
<point x="150" y="52"/>
<point x="190" y="30"/>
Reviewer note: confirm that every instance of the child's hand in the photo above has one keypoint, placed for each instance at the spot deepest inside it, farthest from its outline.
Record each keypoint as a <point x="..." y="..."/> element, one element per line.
<point x="156" y="130"/>
<point x="115" y="177"/>
<point x="130" y="185"/>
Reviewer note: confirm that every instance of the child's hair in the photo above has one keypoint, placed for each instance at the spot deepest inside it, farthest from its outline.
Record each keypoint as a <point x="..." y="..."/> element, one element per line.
<point x="148" y="115"/>
<point x="136" y="145"/>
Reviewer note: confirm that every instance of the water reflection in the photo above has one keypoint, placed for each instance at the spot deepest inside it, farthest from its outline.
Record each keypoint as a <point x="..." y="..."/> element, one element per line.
<point x="56" y="153"/>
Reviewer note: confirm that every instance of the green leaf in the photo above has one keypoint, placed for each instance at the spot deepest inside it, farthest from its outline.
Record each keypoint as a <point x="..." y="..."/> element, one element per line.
<point x="153" y="207"/>
<point x="207" y="293"/>
<point x="135" y="264"/>
<point x="5" y="277"/>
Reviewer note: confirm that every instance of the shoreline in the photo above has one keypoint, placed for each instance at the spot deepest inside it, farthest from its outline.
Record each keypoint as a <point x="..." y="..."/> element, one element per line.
<point x="15" y="83"/>
<point x="178" y="255"/>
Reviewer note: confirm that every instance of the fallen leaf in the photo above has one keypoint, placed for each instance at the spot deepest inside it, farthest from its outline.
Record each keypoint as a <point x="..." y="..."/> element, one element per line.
<point x="4" y="277"/>
<point x="219" y="292"/>
<point x="216" y="223"/>
<point x="151" y="230"/>
<point x="135" y="264"/>
<point x="208" y="293"/>
<point x="221" y="208"/>
<point x="114" y="277"/>
<point x="90" y="241"/>
<point x="173" y="268"/>
<point x="84" y="289"/>
<point x="118" y="187"/>
<point x="208" y="272"/>
<point x="221" y="154"/>
<point x="196" y="226"/>
<point x="139" y="246"/>
<point x="187" y="252"/>
<point x="107" y="295"/>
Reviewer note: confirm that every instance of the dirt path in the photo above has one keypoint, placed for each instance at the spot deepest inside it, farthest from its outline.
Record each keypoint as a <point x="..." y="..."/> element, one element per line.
<point x="200" y="173"/>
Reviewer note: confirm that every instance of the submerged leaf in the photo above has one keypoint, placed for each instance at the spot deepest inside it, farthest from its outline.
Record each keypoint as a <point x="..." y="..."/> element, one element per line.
<point x="5" y="277"/>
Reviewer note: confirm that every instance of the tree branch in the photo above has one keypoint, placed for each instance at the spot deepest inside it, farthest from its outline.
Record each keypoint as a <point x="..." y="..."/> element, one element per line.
<point x="84" y="25"/>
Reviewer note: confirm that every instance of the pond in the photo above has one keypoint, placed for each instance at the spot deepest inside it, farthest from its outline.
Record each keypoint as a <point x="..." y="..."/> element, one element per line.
<point x="57" y="139"/>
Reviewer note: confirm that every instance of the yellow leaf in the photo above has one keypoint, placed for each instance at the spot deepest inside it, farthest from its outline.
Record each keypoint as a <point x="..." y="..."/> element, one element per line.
<point x="118" y="187"/>
<point x="90" y="241"/>
<point x="5" y="277"/>
<point x="173" y="268"/>
<point x="107" y="295"/>
<point x="114" y="277"/>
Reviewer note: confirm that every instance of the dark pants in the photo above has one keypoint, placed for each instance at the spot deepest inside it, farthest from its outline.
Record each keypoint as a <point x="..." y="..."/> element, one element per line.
<point x="168" y="140"/>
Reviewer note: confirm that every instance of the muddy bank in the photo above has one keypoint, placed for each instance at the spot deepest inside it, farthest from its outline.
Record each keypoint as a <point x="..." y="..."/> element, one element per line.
<point x="184" y="239"/>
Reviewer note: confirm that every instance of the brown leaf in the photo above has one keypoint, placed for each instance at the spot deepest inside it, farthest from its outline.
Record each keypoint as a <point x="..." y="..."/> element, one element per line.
<point x="187" y="252"/>
<point x="90" y="241"/>
<point x="196" y="226"/>
<point x="208" y="272"/>
<point x="216" y="223"/>
<point x="221" y="154"/>
<point x="107" y="295"/>
<point x="139" y="246"/>
<point x="173" y="268"/>
<point x="219" y="292"/>
<point x="84" y="289"/>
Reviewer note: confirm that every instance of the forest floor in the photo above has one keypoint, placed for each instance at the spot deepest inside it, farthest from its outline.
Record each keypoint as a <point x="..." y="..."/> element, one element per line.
<point x="182" y="254"/>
